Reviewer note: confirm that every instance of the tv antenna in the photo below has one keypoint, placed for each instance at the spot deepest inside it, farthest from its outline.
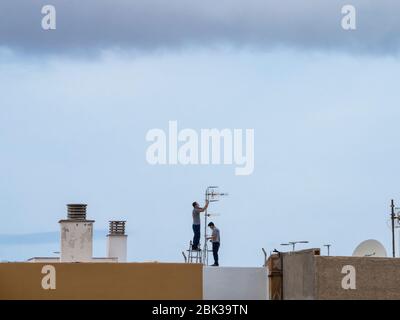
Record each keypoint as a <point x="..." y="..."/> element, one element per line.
<point x="212" y="194"/>
<point x="394" y="224"/>
<point x="293" y="244"/>
<point x="328" y="246"/>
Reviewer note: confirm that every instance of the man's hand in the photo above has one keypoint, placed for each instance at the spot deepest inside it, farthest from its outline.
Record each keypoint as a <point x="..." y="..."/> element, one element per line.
<point x="205" y="207"/>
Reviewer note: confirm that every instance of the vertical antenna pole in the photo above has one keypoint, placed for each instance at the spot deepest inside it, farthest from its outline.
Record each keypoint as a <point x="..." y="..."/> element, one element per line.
<point x="328" y="246"/>
<point x="210" y="197"/>
<point x="205" y="258"/>
<point x="393" y="235"/>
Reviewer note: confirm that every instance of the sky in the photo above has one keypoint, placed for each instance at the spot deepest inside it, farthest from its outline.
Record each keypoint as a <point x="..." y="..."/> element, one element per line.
<point x="77" y="102"/>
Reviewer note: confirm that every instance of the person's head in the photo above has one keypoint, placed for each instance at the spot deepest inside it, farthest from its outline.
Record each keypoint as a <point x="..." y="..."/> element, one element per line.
<point x="211" y="225"/>
<point x="195" y="204"/>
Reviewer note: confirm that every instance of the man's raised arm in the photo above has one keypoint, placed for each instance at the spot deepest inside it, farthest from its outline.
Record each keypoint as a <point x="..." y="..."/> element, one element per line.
<point x="205" y="207"/>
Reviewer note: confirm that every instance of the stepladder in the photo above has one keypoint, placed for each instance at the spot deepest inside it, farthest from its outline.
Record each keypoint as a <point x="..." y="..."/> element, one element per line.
<point x="194" y="256"/>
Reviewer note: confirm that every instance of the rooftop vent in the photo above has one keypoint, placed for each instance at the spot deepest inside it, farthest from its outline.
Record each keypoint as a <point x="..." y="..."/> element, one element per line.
<point x="77" y="211"/>
<point x="117" y="228"/>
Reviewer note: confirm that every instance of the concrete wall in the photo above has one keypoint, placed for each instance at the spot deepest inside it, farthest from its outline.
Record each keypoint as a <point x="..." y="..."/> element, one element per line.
<point x="117" y="246"/>
<point x="57" y="260"/>
<point x="299" y="275"/>
<point x="274" y="267"/>
<point x="357" y="278"/>
<point x="76" y="241"/>
<point x="99" y="281"/>
<point x="309" y="276"/>
<point x="44" y="260"/>
<point x="235" y="283"/>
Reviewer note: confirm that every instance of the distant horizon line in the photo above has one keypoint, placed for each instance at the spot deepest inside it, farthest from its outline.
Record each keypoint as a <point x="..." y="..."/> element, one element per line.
<point x="39" y="237"/>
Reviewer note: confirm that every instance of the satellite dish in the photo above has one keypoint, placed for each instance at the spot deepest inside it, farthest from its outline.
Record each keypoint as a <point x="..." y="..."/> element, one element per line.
<point x="370" y="248"/>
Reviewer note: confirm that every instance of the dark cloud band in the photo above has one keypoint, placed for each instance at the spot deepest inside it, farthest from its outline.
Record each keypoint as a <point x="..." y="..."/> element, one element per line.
<point x="92" y="25"/>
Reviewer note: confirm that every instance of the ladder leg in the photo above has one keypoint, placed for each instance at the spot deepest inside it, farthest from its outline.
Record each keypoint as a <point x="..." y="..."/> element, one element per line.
<point x="198" y="260"/>
<point x="190" y="252"/>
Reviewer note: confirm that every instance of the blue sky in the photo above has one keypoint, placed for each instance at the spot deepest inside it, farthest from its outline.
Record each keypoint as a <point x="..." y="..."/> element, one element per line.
<point x="73" y="127"/>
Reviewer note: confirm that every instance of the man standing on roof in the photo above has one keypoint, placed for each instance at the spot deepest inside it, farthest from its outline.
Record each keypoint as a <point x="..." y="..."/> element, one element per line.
<point x="196" y="224"/>
<point x="216" y="242"/>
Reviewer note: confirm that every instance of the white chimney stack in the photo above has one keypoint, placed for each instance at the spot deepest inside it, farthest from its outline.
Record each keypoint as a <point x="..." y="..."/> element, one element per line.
<point x="117" y="241"/>
<point x="76" y="235"/>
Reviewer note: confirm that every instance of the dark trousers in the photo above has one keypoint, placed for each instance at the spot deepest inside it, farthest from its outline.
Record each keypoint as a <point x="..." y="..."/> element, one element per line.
<point x="196" y="238"/>
<point x="215" y="251"/>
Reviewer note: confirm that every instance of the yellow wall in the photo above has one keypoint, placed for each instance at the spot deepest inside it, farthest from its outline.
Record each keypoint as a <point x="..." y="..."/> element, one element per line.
<point x="124" y="281"/>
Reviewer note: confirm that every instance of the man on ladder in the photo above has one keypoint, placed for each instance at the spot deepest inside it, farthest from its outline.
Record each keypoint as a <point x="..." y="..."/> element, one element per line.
<point x="196" y="224"/>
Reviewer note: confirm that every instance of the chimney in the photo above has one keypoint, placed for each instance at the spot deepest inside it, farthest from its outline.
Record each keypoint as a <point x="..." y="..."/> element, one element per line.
<point x="76" y="235"/>
<point x="117" y="241"/>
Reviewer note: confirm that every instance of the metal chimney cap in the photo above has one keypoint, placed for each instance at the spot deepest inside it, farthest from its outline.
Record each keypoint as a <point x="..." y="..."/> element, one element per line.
<point x="76" y="211"/>
<point x="117" y="228"/>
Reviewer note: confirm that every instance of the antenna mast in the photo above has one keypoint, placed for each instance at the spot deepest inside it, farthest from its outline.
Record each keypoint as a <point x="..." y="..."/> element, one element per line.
<point x="212" y="194"/>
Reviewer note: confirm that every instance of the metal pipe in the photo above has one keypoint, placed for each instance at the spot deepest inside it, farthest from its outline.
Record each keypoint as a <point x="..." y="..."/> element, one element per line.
<point x="265" y="257"/>
<point x="393" y="235"/>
